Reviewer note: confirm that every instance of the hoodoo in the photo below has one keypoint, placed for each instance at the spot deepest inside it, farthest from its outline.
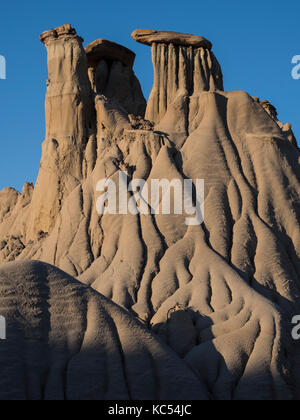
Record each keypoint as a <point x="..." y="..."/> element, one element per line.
<point x="111" y="74"/>
<point x="184" y="65"/>
<point x="69" y="124"/>
<point x="147" y="307"/>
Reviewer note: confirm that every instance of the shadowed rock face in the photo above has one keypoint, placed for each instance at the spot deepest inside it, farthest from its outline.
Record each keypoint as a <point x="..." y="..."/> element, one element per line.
<point x="66" y="341"/>
<point x="220" y="295"/>
<point x="102" y="49"/>
<point x="111" y="74"/>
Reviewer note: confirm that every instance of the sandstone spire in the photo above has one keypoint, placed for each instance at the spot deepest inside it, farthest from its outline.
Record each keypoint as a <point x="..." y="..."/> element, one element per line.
<point x="111" y="74"/>
<point x="68" y="98"/>
<point x="183" y="66"/>
<point x="69" y="124"/>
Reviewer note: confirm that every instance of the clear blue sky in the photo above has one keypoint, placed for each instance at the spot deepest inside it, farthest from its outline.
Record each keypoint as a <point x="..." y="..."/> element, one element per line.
<point x="253" y="40"/>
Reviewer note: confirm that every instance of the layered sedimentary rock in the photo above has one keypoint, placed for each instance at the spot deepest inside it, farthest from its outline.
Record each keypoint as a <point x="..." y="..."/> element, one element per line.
<point x="221" y="295"/>
<point x="184" y="66"/>
<point x="149" y="36"/>
<point x="111" y="74"/>
<point x="70" y="124"/>
<point x="66" y="341"/>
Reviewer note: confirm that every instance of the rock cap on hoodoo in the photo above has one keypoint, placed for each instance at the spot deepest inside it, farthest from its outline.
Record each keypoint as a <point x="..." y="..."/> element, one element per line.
<point x="102" y="49"/>
<point x="59" y="32"/>
<point x="149" y="36"/>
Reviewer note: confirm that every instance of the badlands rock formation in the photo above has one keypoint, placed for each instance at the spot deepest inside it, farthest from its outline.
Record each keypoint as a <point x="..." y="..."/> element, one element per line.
<point x="184" y="66"/>
<point x="65" y="341"/>
<point x="146" y="306"/>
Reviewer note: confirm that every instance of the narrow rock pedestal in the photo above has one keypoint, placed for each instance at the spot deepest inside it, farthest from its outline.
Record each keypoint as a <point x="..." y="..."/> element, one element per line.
<point x="70" y="122"/>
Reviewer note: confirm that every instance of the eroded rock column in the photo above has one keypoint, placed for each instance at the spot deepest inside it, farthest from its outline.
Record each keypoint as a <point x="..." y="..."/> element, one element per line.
<point x="184" y="65"/>
<point x="111" y="74"/>
<point x="68" y="98"/>
<point x="70" y="122"/>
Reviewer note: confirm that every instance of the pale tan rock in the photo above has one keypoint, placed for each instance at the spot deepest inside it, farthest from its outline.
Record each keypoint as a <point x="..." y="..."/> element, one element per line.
<point x="184" y="66"/>
<point x="285" y="127"/>
<point x="271" y="110"/>
<point x="8" y="200"/>
<point x="14" y="212"/>
<point x="11" y="247"/>
<point x="63" y="31"/>
<point x="70" y="123"/>
<point x="111" y="121"/>
<point x="148" y="37"/>
<point x="220" y="295"/>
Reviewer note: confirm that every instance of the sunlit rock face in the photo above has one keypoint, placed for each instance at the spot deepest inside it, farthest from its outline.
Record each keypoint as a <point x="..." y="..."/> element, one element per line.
<point x="184" y="66"/>
<point x="142" y="305"/>
<point x="70" y="124"/>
